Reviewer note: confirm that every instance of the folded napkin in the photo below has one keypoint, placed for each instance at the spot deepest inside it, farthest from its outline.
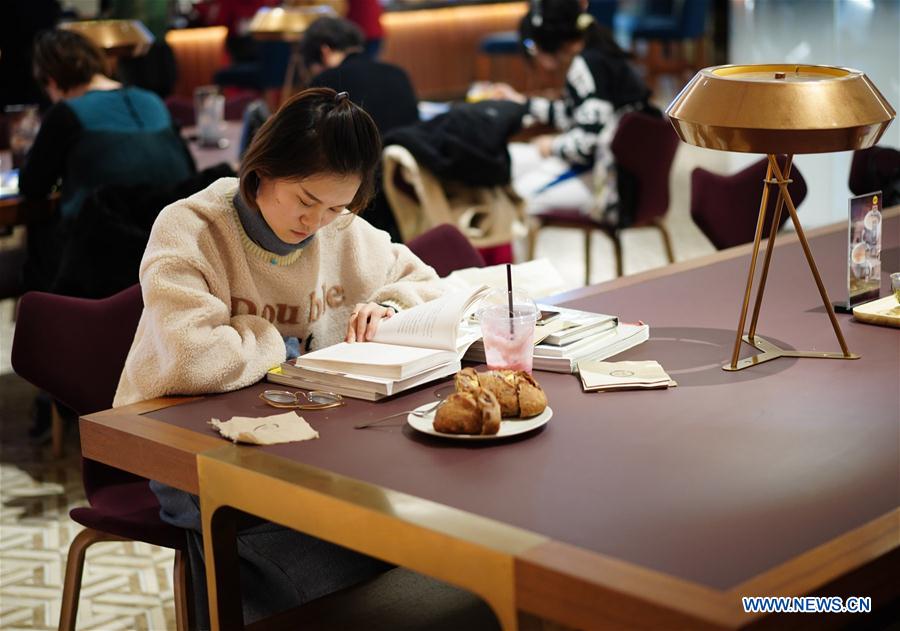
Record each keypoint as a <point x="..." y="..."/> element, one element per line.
<point x="606" y="376"/>
<point x="266" y="430"/>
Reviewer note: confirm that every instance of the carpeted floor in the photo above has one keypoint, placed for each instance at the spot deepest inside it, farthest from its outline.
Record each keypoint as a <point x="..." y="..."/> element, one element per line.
<point x="125" y="586"/>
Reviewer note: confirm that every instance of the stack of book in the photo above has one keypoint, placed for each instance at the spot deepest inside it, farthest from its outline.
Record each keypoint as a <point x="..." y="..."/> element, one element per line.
<point x="412" y="348"/>
<point x="575" y="335"/>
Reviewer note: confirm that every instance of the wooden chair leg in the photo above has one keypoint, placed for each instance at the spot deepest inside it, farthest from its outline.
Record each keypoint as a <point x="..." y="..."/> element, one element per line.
<point x="57" y="431"/>
<point x="181" y="583"/>
<point x="667" y="241"/>
<point x="74" y="567"/>
<point x="534" y="227"/>
<point x="587" y="256"/>
<point x="617" y="250"/>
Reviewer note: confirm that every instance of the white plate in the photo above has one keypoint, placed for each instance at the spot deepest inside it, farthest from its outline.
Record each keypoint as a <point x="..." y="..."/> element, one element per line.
<point x="508" y="426"/>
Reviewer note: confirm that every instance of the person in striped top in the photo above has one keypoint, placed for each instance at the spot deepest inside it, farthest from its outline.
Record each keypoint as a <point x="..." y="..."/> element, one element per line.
<point x="573" y="168"/>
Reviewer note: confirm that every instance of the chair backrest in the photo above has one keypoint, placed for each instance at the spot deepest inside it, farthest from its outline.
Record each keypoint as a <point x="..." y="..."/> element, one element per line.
<point x="644" y="146"/>
<point x="726" y="207"/>
<point x="75" y="348"/>
<point x="692" y="22"/>
<point x="181" y="109"/>
<point x="604" y="11"/>
<point x="446" y="249"/>
<point x="874" y="169"/>
<point x="487" y="215"/>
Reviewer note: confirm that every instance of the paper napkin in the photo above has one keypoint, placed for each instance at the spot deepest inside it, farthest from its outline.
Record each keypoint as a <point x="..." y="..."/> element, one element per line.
<point x="606" y="376"/>
<point x="266" y="430"/>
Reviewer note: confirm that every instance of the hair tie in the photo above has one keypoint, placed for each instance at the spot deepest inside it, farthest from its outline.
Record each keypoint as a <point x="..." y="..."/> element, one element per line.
<point x="537" y="15"/>
<point x="584" y="21"/>
<point x="340" y="97"/>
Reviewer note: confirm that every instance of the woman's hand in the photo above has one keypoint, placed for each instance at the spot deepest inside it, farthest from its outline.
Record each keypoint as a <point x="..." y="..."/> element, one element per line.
<point x="544" y="144"/>
<point x="364" y="321"/>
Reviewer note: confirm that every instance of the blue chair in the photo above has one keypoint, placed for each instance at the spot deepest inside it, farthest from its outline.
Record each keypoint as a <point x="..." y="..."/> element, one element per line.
<point x="666" y="35"/>
<point x="604" y="11"/>
<point x="501" y="43"/>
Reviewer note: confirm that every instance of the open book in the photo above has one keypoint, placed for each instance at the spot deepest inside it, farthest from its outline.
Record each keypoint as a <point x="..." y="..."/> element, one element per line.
<point x="412" y="341"/>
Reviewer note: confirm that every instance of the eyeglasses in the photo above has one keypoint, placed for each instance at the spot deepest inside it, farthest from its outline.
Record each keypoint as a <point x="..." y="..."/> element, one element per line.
<point x="313" y="400"/>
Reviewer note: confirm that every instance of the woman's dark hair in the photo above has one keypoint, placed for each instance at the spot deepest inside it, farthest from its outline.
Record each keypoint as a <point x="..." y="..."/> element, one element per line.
<point x="69" y="58"/>
<point x="549" y="24"/>
<point x="336" y="33"/>
<point x="315" y="131"/>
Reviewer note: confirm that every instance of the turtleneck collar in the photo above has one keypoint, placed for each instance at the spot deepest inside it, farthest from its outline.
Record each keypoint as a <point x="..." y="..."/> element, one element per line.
<point x="260" y="233"/>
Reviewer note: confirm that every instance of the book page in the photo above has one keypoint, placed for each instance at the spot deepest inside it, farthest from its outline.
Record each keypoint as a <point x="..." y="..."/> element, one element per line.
<point x="433" y="324"/>
<point x="343" y="357"/>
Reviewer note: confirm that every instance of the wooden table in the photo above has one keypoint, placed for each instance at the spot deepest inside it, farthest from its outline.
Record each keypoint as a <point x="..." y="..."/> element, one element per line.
<point x="645" y="509"/>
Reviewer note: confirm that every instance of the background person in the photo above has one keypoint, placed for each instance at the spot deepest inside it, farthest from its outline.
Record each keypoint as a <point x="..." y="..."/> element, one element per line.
<point x="574" y="168"/>
<point x="232" y="272"/>
<point x="97" y="133"/>
<point x="333" y="52"/>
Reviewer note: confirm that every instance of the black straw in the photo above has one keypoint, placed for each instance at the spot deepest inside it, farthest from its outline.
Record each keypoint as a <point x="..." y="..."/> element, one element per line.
<point x="509" y="296"/>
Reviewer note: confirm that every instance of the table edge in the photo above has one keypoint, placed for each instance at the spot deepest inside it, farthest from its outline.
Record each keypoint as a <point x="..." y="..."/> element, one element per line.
<point x="123" y="437"/>
<point x="589" y="586"/>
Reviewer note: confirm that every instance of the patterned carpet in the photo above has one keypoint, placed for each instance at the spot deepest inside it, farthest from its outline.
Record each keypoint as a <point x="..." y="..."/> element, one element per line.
<point x="125" y="585"/>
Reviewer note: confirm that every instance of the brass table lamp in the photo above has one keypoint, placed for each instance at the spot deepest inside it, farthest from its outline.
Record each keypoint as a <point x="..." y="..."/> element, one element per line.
<point x="118" y="38"/>
<point x="780" y="109"/>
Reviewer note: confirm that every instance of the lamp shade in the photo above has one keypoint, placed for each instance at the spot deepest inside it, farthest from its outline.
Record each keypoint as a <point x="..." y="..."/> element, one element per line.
<point x="287" y="23"/>
<point x="780" y="108"/>
<point x="118" y="38"/>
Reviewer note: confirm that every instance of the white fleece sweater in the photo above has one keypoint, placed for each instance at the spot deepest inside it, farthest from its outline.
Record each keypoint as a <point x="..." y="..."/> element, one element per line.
<point x="216" y="306"/>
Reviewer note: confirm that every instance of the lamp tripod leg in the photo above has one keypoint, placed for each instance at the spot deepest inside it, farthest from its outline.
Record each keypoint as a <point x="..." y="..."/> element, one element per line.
<point x="809" y="258"/>
<point x="770" y="245"/>
<point x="769" y="350"/>
<point x="759" y="229"/>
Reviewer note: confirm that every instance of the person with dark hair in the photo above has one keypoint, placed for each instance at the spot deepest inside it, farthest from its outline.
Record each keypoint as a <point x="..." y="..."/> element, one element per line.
<point x="333" y="51"/>
<point x="97" y="133"/>
<point x="234" y="275"/>
<point x="574" y="168"/>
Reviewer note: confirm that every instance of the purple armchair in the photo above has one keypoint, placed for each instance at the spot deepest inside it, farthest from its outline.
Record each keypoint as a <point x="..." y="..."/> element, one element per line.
<point x="445" y="248"/>
<point x="644" y="146"/>
<point x="75" y="348"/>
<point x="726" y="207"/>
<point x="874" y="169"/>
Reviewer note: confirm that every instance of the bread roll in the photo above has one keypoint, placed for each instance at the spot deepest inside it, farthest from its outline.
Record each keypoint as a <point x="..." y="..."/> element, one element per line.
<point x="468" y="413"/>
<point x="502" y="383"/>
<point x="532" y="398"/>
<point x="466" y="380"/>
<point x="517" y="392"/>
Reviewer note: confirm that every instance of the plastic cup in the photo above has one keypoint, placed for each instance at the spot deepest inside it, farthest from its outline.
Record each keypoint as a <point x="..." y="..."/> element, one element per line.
<point x="24" y="123"/>
<point x="209" y="109"/>
<point x="509" y="337"/>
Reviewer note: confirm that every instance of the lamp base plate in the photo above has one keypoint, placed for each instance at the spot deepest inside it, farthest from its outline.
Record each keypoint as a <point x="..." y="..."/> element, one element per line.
<point x="770" y="352"/>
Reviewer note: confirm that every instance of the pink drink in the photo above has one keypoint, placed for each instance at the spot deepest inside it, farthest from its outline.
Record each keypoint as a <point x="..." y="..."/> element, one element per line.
<point x="508" y="342"/>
